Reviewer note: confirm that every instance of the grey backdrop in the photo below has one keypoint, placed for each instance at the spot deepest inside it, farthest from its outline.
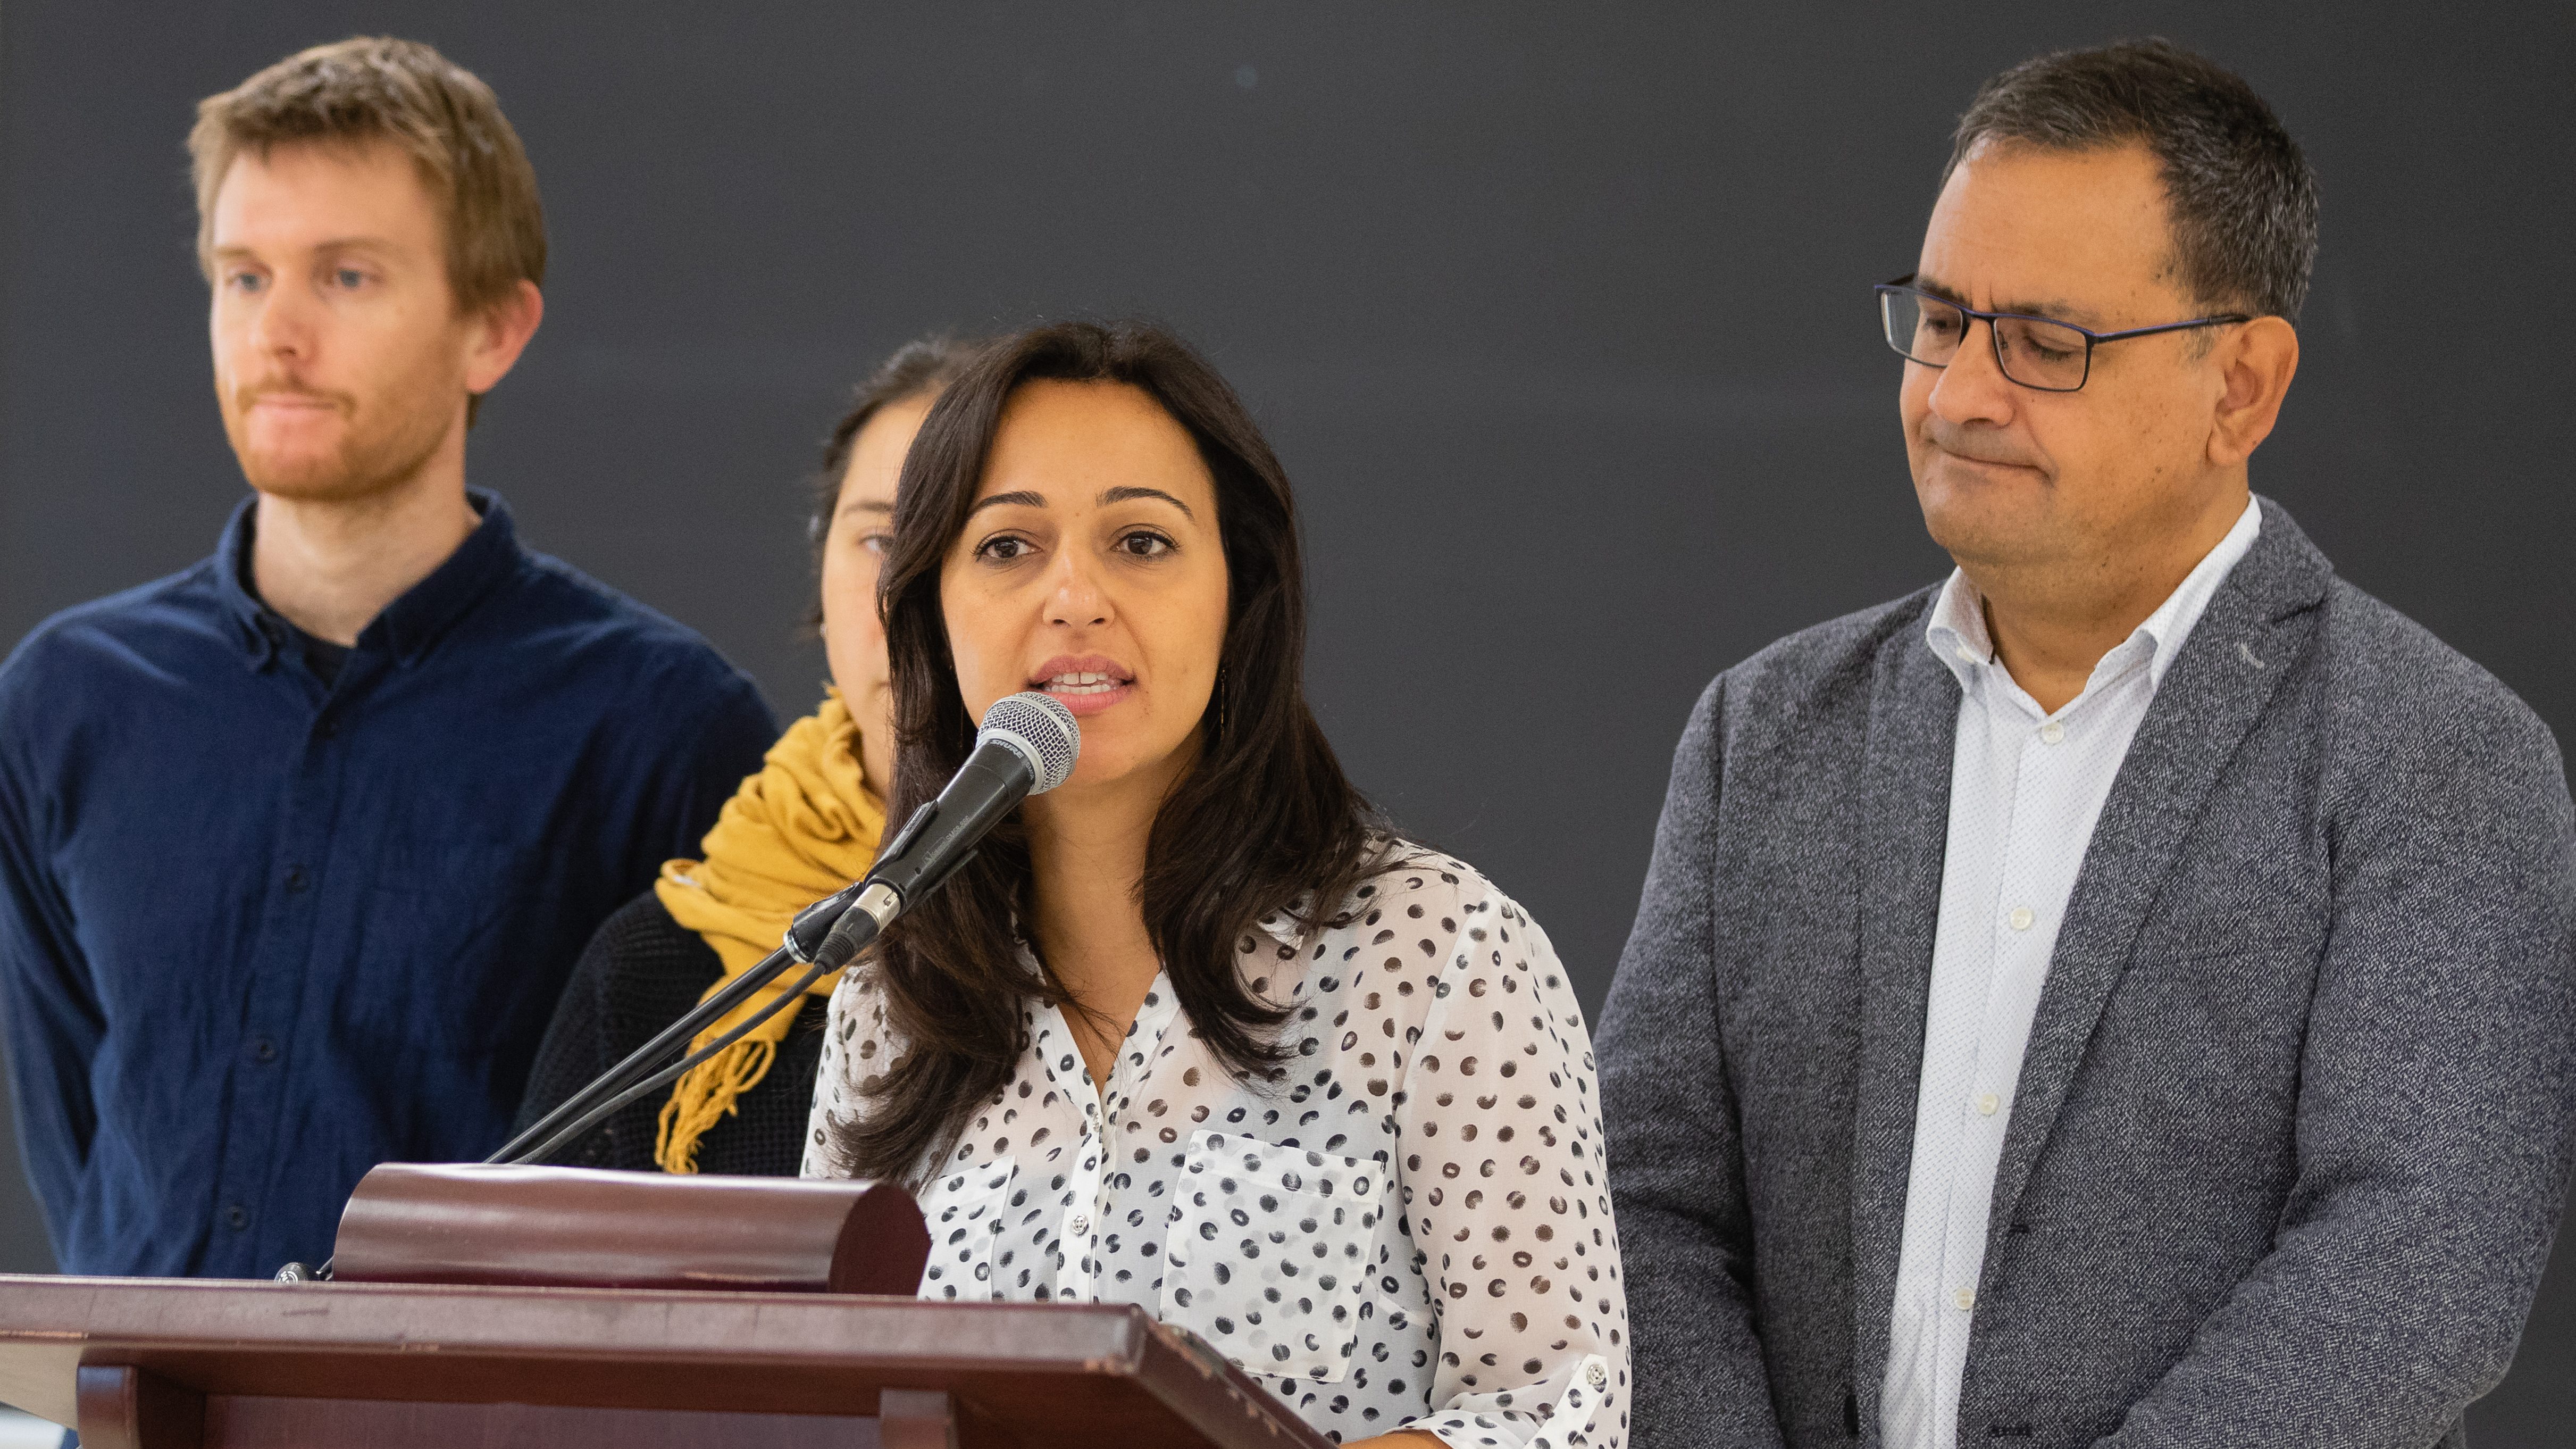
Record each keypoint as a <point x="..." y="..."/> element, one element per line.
<point x="1559" y="316"/>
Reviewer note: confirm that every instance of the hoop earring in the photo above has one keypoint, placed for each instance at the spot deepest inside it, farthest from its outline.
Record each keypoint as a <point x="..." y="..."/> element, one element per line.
<point x="1220" y="701"/>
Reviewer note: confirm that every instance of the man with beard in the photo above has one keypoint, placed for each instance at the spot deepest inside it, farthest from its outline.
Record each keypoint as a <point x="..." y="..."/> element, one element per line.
<point x="298" y="846"/>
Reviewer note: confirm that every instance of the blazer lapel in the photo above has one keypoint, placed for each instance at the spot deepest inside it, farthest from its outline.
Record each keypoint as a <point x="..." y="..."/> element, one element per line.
<point x="2255" y="626"/>
<point x="1905" y="808"/>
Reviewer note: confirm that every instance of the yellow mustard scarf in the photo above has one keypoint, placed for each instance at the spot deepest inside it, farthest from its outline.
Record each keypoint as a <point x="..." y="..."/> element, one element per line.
<point x="805" y="826"/>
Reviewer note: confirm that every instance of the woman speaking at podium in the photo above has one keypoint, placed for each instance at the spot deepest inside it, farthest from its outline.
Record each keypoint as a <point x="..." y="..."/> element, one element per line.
<point x="1193" y="1031"/>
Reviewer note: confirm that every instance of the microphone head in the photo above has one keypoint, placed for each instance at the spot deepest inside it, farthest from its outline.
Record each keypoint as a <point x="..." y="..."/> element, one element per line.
<point x="1041" y="729"/>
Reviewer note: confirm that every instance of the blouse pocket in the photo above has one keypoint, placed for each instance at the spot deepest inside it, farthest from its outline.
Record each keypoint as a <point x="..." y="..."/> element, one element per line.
<point x="1268" y="1253"/>
<point x="965" y="1211"/>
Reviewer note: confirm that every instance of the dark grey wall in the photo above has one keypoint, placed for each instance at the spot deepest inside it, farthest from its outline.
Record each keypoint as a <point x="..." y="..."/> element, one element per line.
<point x="1559" y="316"/>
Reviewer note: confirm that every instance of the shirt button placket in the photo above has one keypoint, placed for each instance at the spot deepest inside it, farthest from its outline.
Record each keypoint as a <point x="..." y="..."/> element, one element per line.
<point x="1081" y="1202"/>
<point x="288" y="949"/>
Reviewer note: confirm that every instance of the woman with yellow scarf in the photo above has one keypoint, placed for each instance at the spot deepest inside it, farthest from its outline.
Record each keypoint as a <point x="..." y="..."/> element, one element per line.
<point x="804" y="826"/>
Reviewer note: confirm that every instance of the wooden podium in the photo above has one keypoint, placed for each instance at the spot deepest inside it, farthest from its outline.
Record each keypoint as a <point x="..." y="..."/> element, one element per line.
<point x="203" y="1364"/>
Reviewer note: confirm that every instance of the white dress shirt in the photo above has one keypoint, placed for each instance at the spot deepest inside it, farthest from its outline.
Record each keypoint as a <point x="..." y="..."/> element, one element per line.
<point x="2026" y="787"/>
<point x="1411" y="1228"/>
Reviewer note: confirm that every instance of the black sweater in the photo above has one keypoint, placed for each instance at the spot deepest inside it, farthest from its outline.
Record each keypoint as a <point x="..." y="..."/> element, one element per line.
<point x="640" y="972"/>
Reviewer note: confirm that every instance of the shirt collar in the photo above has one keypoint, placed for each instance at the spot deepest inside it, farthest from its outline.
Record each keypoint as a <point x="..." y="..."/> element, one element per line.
<point x="1281" y="926"/>
<point x="411" y="624"/>
<point x="2174" y="619"/>
<point x="1956" y="631"/>
<point x="261" y="631"/>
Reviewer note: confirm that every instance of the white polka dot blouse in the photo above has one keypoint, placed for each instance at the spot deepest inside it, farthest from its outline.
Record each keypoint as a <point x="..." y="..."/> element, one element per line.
<point x="1412" y="1229"/>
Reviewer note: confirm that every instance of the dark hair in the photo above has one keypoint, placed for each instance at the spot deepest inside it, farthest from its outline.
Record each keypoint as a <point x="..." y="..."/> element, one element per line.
<point x="1265" y="823"/>
<point x="923" y="365"/>
<point x="2243" y="200"/>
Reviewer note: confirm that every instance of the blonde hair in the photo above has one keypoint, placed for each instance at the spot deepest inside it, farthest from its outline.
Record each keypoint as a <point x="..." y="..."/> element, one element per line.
<point x="379" y="89"/>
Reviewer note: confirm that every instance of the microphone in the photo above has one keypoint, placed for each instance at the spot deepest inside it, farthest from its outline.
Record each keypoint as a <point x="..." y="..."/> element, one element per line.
<point x="1027" y="746"/>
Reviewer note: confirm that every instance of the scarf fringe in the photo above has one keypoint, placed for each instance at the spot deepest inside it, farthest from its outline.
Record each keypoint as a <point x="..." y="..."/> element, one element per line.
<point x="706" y="1095"/>
<point x="803" y="827"/>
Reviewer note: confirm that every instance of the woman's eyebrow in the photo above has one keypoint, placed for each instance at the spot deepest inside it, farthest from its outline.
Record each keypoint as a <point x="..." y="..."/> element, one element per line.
<point x="1023" y="498"/>
<point x="1123" y="494"/>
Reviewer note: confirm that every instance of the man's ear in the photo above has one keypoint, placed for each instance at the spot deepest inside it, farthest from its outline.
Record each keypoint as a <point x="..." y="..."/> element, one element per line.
<point x="2255" y="363"/>
<point x="501" y="332"/>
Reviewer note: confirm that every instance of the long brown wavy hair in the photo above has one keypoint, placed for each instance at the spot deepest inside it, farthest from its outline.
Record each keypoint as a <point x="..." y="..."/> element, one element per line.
<point x="1264" y="823"/>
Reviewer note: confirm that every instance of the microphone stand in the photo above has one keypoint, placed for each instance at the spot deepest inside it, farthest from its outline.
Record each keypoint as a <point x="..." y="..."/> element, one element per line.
<point x="876" y="904"/>
<point x="1004" y="768"/>
<point x="528" y="1145"/>
<point x="865" y="906"/>
<point x="869" y="902"/>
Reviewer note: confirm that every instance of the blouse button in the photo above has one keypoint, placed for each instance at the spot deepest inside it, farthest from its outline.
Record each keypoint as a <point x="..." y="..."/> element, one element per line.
<point x="1080" y="1225"/>
<point x="1597" y="1376"/>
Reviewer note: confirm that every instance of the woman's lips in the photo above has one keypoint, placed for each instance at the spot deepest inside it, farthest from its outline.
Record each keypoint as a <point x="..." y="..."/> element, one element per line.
<point x="1085" y="686"/>
<point x="1090" y="701"/>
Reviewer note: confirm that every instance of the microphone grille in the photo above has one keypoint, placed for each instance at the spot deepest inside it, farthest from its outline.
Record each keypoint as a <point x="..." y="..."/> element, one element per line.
<point x="1042" y="728"/>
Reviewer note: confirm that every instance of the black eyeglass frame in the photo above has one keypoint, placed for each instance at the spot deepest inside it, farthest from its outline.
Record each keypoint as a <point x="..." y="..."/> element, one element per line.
<point x="2092" y="339"/>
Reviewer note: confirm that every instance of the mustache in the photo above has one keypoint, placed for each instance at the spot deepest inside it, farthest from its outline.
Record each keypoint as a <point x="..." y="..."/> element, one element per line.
<point x="247" y="395"/>
<point x="1977" y="445"/>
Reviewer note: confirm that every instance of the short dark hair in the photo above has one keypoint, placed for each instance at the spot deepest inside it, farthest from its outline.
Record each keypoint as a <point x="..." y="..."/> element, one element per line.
<point x="2243" y="200"/>
<point x="1265" y="824"/>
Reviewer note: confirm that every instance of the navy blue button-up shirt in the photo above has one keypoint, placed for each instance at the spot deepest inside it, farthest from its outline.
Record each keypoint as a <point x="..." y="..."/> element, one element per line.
<point x="259" y="933"/>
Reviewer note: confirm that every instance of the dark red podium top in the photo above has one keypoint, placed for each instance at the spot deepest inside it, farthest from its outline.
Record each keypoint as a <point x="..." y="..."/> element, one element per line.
<point x="277" y="1364"/>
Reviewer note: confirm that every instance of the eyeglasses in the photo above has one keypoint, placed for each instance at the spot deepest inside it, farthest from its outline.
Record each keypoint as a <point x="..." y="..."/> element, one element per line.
<point x="2040" y="353"/>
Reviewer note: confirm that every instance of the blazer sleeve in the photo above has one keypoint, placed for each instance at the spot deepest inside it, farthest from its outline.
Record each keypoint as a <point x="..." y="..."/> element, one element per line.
<point x="1676" y="1145"/>
<point x="2436" y="1119"/>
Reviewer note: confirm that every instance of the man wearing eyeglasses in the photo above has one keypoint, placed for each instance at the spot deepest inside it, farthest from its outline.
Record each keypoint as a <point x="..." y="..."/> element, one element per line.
<point x="2124" y="995"/>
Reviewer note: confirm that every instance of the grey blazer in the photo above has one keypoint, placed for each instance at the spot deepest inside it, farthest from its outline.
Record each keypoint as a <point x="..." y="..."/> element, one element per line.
<point x="2294" y="1125"/>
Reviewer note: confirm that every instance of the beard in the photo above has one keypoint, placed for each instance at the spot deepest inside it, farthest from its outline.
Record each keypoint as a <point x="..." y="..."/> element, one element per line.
<point x="368" y="446"/>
